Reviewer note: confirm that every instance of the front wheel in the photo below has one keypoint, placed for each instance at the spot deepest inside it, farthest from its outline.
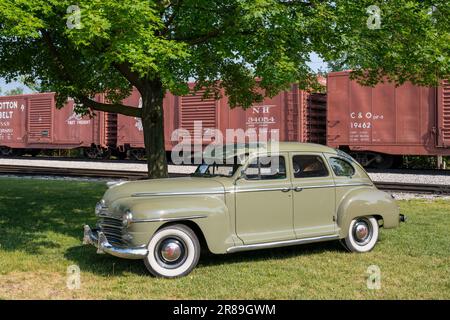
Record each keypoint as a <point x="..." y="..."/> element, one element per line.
<point x="173" y="252"/>
<point x="362" y="234"/>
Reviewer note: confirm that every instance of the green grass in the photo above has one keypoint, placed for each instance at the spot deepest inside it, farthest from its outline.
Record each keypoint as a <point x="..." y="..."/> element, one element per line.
<point x="41" y="230"/>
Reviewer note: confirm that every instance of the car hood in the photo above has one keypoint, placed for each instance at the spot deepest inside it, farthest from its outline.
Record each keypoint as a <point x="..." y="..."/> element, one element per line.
<point x="157" y="187"/>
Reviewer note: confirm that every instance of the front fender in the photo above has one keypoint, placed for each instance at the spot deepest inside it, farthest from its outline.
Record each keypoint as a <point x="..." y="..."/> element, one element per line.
<point x="208" y="212"/>
<point x="367" y="201"/>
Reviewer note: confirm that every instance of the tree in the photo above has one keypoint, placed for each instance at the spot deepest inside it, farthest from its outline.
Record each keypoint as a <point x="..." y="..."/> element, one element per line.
<point x="251" y="48"/>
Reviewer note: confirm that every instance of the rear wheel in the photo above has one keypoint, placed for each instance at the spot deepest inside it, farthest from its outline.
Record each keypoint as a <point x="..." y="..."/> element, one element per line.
<point x="173" y="252"/>
<point x="362" y="234"/>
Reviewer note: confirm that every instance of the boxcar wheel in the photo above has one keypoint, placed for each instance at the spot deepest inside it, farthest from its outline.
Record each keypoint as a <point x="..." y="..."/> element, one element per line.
<point x="173" y="252"/>
<point x="137" y="154"/>
<point x="362" y="234"/>
<point x="97" y="153"/>
<point x="383" y="162"/>
<point x="8" y="152"/>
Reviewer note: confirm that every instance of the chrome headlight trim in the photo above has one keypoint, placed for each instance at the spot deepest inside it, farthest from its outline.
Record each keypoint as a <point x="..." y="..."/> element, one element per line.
<point x="99" y="207"/>
<point x="127" y="218"/>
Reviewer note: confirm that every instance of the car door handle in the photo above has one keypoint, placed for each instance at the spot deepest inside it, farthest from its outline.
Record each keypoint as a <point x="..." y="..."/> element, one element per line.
<point x="298" y="189"/>
<point x="286" y="189"/>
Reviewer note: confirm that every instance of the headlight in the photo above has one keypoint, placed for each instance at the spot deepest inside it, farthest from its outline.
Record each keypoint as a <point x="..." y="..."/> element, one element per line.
<point x="99" y="207"/>
<point x="127" y="219"/>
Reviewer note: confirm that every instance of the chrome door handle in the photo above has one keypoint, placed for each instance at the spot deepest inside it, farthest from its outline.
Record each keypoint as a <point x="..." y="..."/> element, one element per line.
<point x="298" y="189"/>
<point x="286" y="189"/>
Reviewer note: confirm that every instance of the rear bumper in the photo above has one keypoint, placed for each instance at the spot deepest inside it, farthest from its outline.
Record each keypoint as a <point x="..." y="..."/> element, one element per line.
<point x="402" y="218"/>
<point x="98" y="239"/>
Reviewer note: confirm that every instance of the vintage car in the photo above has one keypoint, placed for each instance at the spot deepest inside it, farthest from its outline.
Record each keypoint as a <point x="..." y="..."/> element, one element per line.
<point x="294" y="194"/>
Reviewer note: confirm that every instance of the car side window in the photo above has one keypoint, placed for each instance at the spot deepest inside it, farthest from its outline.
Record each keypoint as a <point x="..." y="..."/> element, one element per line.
<point x="309" y="166"/>
<point x="266" y="168"/>
<point x="342" y="167"/>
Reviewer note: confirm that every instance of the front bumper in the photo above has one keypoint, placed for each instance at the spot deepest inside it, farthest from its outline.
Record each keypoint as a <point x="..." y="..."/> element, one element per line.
<point x="98" y="239"/>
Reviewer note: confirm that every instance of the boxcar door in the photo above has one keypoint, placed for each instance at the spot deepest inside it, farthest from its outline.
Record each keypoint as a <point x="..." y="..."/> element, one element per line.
<point x="264" y="201"/>
<point x="40" y="119"/>
<point x="444" y="114"/>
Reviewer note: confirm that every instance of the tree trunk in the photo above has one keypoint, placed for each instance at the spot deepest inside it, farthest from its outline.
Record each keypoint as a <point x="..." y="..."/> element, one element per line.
<point x="153" y="126"/>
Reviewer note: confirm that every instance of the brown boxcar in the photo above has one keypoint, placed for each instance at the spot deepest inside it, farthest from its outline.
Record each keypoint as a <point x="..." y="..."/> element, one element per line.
<point x="377" y="123"/>
<point x="29" y="123"/>
<point x="297" y="115"/>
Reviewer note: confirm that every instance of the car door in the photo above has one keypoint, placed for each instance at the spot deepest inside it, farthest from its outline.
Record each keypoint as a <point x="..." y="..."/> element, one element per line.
<point x="313" y="195"/>
<point x="264" y="201"/>
<point x="346" y="177"/>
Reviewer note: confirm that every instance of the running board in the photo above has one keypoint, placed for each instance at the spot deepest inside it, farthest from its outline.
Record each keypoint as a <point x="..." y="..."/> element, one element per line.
<point x="277" y="244"/>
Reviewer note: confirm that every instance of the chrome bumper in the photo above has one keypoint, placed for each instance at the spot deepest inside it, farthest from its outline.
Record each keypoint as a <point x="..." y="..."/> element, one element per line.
<point x="98" y="239"/>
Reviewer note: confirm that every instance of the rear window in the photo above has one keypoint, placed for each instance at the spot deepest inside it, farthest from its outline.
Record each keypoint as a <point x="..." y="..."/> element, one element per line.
<point x="341" y="167"/>
<point x="306" y="166"/>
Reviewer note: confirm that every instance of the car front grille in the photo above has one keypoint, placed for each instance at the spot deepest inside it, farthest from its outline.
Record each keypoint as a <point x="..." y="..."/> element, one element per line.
<point x="113" y="230"/>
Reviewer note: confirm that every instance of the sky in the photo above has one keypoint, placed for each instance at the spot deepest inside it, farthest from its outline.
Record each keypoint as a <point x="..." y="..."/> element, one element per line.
<point x="8" y="86"/>
<point x="315" y="64"/>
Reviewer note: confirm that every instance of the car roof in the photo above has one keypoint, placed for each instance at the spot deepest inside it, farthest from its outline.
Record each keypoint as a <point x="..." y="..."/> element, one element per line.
<point x="303" y="147"/>
<point x="232" y="150"/>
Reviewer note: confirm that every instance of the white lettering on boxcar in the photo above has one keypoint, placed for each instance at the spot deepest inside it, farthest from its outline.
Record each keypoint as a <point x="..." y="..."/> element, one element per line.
<point x="361" y="124"/>
<point x="8" y="105"/>
<point x="138" y="120"/>
<point x="4" y="115"/>
<point x="76" y="119"/>
<point x="261" y="116"/>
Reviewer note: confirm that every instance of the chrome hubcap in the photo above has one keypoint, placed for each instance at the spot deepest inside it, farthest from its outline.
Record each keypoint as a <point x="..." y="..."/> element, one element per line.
<point x="171" y="250"/>
<point x="362" y="231"/>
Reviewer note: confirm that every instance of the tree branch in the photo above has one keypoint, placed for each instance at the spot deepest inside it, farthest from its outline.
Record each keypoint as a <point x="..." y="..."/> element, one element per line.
<point x="125" y="69"/>
<point x="67" y="77"/>
<point x="115" y="108"/>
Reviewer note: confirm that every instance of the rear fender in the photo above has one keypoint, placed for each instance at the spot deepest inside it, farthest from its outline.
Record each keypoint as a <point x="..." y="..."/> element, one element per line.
<point x="367" y="201"/>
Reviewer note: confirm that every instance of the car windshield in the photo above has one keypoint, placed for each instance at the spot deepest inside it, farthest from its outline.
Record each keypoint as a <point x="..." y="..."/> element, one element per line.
<point x="215" y="170"/>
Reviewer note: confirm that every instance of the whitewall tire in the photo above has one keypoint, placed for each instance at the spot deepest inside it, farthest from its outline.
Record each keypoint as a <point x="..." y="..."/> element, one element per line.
<point x="173" y="252"/>
<point x="362" y="234"/>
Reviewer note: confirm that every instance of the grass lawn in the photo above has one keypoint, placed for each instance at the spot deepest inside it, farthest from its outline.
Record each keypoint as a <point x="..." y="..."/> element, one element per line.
<point x="41" y="231"/>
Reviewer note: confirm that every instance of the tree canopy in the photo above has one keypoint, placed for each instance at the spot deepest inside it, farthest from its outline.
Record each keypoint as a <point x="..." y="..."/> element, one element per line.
<point x="251" y="48"/>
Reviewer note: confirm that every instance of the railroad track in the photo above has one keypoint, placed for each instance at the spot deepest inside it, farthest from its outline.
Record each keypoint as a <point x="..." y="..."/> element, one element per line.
<point x="136" y="175"/>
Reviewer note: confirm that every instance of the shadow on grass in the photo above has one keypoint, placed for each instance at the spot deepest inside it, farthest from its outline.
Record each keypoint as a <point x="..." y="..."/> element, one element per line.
<point x="37" y="215"/>
<point x="106" y="265"/>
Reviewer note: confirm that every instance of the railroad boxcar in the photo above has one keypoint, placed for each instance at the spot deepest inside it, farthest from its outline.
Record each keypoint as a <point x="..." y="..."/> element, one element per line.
<point x="379" y="124"/>
<point x="298" y="115"/>
<point x="31" y="123"/>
